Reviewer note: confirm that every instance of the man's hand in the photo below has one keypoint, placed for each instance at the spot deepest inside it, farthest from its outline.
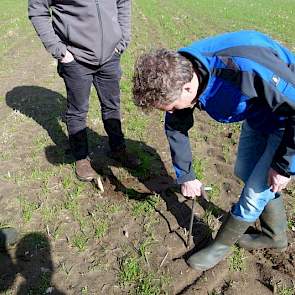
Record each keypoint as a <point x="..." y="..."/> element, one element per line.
<point x="276" y="181"/>
<point x="67" y="58"/>
<point x="191" y="189"/>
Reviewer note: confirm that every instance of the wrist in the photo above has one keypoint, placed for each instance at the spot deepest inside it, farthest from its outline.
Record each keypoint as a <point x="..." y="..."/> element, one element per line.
<point x="280" y="171"/>
<point x="62" y="54"/>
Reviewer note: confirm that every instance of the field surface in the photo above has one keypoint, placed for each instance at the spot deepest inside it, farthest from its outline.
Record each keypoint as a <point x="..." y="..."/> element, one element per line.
<point x="130" y="239"/>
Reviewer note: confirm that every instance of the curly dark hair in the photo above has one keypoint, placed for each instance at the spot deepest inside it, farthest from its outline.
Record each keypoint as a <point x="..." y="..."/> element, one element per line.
<point x="159" y="77"/>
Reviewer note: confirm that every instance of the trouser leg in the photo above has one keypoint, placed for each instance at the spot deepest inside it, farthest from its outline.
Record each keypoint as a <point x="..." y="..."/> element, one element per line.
<point x="106" y="82"/>
<point x="255" y="155"/>
<point x="78" y="80"/>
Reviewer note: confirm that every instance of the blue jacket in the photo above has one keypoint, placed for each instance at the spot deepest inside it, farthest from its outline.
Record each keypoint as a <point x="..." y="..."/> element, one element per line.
<point x="250" y="77"/>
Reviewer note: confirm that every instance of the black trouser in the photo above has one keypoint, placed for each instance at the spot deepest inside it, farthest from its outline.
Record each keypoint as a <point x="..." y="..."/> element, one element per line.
<point x="78" y="78"/>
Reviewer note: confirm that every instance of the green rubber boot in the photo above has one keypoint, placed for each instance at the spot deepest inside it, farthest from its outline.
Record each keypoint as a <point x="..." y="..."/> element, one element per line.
<point x="8" y="237"/>
<point x="273" y="222"/>
<point x="230" y="231"/>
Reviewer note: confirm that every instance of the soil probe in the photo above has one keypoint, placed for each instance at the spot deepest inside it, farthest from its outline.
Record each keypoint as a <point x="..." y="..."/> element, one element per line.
<point x="188" y="242"/>
<point x="203" y="194"/>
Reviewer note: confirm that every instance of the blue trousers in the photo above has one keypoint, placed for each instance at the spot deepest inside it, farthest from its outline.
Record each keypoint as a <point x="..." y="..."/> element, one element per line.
<point x="255" y="153"/>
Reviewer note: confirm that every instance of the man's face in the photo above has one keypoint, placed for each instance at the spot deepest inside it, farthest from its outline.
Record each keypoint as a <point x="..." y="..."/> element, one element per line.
<point x="187" y="98"/>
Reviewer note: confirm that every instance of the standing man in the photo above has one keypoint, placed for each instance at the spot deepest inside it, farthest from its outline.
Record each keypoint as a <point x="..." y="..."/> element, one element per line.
<point x="240" y="76"/>
<point x="87" y="38"/>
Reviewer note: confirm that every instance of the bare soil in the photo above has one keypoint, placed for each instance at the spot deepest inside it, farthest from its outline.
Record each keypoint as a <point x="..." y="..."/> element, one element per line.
<point x="43" y="263"/>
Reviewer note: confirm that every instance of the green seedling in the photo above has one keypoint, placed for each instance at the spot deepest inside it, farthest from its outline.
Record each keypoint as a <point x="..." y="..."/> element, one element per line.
<point x="214" y="192"/>
<point x="101" y="228"/>
<point x="198" y="166"/>
<point x="84" y="290"/>
<point x="27" y="208"/>
<point x="148" y="284"/>
<point x="145" y="207"/>
<point x="286" y="291"/>
<point x="50" y="213"/>
<point x="237" y="259"/>
<point x="80" y="241"/>
<point x="129" y="270"/>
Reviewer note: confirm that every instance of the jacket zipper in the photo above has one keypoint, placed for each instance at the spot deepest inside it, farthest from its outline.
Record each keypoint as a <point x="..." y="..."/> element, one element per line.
<point x="101" y="37"/>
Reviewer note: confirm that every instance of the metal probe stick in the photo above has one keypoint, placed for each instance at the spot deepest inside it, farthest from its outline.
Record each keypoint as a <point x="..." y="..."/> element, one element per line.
<point x="188" y="243"/>
<point x="189" y="237"/>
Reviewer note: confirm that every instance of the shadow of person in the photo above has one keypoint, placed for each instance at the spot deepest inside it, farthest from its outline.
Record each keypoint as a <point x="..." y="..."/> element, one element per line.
<point x="8" y="269"/>
<point x="46" y="108"/>
<point x="34" y="264"/>
<point x="155" y="177"/>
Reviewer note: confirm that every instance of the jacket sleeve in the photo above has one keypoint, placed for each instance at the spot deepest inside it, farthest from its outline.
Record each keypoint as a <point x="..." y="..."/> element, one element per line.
<point x="177" y="125"/>
<point x="40" y="16"/>
<point x="279" y="93"/>
<point x="284" y="159"/>
<point x="283" y="104"/>
<point x="124" y="19"/>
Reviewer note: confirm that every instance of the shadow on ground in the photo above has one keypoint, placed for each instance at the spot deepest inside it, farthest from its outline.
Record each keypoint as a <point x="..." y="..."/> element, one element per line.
<point x="46" y="107"/>
<point x="32" y="262"/>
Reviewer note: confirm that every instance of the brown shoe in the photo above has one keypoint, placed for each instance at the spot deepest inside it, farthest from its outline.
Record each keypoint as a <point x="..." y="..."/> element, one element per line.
<point x="84" y="171"/>
<point x="127" y="159"/>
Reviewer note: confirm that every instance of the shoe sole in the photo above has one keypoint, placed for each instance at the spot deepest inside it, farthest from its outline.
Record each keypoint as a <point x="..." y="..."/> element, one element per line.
<point x="84" y="179"/>
<point x="97" y="182"/>
<point x="198" y="267"/>
<point x="266" y="248"/>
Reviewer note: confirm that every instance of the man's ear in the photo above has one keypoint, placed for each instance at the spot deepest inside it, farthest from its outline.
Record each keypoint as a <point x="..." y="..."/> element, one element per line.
<point x="187" y="87"/>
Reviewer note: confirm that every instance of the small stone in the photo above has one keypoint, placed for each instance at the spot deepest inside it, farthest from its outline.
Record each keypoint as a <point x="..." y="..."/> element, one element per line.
<point x="125" y="233"/>
<point x="49" y="290"/>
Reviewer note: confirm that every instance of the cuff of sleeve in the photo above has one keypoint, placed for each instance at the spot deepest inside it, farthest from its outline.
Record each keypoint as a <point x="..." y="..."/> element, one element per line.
<point x="187" y="177"/>
<point x="280" y="170"/>
<point x="121" y="46"/>
<point x="60" y="52"/>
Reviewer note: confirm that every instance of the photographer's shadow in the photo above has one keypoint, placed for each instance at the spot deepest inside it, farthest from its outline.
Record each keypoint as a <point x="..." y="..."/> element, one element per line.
<point x="33" y="263"/>
<point x="8" y="269"/>
<point x="46" y="108"/>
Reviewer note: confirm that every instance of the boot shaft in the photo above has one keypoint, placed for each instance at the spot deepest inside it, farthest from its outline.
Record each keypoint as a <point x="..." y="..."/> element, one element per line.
<point x="113" y="129"/>
<point x="79" y="144"/>
<point x="231" y="230"/>
<point x="273" y="219"/>
<point x="273" y="234"/>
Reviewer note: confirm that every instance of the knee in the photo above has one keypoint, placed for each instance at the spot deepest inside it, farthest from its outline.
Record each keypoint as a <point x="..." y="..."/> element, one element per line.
<point x="252" y="203"/>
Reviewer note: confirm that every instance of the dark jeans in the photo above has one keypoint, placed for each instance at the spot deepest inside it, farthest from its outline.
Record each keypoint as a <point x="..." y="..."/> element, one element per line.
<point x="78" y="78"/>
